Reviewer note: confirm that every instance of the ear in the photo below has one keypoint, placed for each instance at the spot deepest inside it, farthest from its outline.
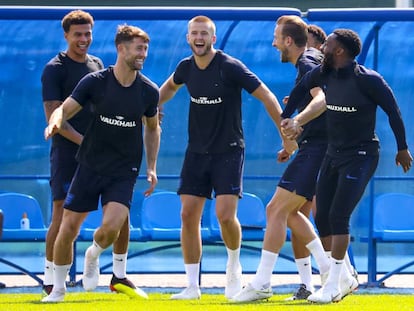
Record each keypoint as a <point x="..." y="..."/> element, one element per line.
<point x="340" y="51"/>
<point x="288" y="41"/>
<point x="120" y="47"/>
<point x="213" y="39"/>
<point x="188" y="38"/>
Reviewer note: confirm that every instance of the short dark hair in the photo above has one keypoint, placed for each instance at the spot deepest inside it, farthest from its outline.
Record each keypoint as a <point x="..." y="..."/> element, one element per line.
<point x="317" y="32"/>
<point x="126" y="33"/>
<point x="350" y="41"/>
<point x="77" y="17"/>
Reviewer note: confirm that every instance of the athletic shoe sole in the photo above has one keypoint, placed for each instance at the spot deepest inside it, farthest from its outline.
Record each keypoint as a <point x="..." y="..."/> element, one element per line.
<point x="130" y="292"/>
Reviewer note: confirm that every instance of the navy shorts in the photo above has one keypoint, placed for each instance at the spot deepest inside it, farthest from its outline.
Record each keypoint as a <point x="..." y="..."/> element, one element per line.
<point x="88" y="186"/>
<point x="62" y="168"/>
<point x="203" y="173"/>
<point x="302" y="172"/>
<point x="341" y="185"/>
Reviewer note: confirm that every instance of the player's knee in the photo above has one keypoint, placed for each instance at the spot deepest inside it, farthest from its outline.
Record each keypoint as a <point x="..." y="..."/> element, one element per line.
<point x="339" y="226"/>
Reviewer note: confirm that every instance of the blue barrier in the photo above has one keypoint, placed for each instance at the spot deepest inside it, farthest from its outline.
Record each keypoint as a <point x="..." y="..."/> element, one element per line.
<point x="360" y="15"/>
<point x="146" y="13"/>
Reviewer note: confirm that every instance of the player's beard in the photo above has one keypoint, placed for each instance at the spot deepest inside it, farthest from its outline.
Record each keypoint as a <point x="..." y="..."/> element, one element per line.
<point x="284" y="57"/>
<point x="133" y="65"/>
<point x="328" y="62"/>
<point x="201" y="51"/>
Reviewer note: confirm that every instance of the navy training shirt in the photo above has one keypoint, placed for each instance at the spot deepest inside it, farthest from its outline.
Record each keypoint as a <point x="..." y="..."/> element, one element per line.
<point x="353" y="94"/>
<point x="60" y="76"/>
<point x="215" y="117"/>
<point x="314" y="130"/>
<point x="113" y="143"/>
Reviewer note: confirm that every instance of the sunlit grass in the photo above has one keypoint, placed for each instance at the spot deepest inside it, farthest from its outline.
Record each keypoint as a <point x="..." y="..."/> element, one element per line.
<point x="208" y="302"/>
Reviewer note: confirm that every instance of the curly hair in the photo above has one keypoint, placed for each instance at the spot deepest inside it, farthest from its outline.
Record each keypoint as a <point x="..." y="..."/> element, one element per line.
<point x="350" y="41"/>
<point x="77" y="17"/>
<point x="317" y="32"/>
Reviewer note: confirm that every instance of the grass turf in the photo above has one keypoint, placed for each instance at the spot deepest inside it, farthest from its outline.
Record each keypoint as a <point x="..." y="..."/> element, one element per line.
<point x="208" y="302"/>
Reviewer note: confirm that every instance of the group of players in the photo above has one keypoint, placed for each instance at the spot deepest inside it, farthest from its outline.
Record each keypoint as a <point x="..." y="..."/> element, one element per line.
<point x="100" y="120"/>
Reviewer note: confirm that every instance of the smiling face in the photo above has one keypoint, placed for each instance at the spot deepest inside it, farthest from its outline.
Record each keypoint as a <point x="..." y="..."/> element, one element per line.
<point x="279" y="43"/>
<point x="79" y="38"/>
<point x="330" y="48"/>
<point x="201" y="38"/>
<point x="135" y="52"/>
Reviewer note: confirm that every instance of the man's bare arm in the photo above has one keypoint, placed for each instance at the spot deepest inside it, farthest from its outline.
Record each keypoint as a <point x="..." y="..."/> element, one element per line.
<point x="60" y="115"/>
<point x="293" y="127"/>
<point x="274" y="110"/>
<point x="66" y="129"/>
<point x="152" y="137"/>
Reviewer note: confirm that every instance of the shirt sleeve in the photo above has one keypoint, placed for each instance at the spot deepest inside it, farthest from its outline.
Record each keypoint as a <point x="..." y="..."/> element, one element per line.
<point x="152" y="100"/>
<point x="52" y="83"/>
<point x="181" y="72"/>
<point x="234" y="70"/>
<point x="310" y="80"/>
<point x="379" y="91"/>
<point x="83" y="90"/>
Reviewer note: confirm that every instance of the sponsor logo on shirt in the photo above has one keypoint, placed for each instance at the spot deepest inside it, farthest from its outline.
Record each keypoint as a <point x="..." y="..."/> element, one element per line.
<point x="206" y="101"/>
<point x="118" y="121"/>
<point x="341" y="108"/>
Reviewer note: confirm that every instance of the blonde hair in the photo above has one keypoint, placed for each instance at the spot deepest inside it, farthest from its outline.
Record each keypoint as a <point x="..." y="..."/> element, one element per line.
<point x="203" y="19"/>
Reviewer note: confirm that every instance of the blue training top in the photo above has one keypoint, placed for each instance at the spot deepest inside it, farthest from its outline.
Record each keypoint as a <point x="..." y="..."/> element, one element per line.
<point x="60" y="76"/>
<point x="352" y="96"/>
<point x="214" y="124"/>
<point x="113" y="142"/>
<point x="315" y="130"/>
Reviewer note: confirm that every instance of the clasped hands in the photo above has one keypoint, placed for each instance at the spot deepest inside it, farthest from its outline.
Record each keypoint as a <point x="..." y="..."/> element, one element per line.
<point x="290" y="131"/>
<point x="291" y="128"/>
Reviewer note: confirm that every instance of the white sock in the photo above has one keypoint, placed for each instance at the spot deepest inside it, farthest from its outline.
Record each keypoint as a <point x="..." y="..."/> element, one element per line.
<point x="233" y="259"/>
<point x="192" y="271"/>
<point x="48" y="272"/>
<point x="348" y="264"/>
<point x="328" y="254"/>
<point x="346" y="273"/>
<point x="60" y="274"/>
<point x="334" y="273"/>
<point x="304" y="266"/>
<point x="119" y="265"/>
<point x="265" y="270"/>
<point x="95" y="249"/>
<point x="321" y="258"/>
